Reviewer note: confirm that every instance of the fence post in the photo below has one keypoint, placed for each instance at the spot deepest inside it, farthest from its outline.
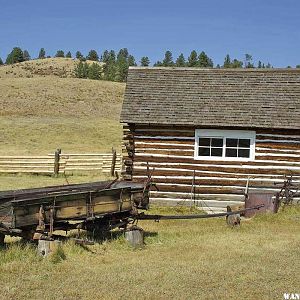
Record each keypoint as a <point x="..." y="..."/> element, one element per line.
<point x="56" y="161"/>
<point x="113" y="162"/>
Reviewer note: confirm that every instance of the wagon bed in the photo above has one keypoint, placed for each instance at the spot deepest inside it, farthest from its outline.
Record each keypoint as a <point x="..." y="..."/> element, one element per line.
<point x="93" y="204"/>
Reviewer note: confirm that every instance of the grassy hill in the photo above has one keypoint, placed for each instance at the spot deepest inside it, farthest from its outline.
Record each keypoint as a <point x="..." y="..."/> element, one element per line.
<point x="43" y="108"/>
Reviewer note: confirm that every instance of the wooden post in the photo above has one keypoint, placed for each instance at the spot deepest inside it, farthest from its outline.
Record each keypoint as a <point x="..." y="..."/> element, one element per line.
<point x="56" y="161"/>
<point x="113" y="162"/>
<point x="45" y="247"/>
<point x="135" y="237"/>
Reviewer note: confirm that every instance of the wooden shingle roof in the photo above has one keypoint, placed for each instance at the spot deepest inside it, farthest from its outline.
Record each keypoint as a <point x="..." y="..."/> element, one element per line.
<point x="259" y="98"/>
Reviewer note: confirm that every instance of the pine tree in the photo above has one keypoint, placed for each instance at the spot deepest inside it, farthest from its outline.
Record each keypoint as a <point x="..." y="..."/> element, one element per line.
<point x="259" y="65"/>
<point x="145" y="62"/>
<point x="105" y="56"/>
<point x="112" y="56"/>
<point x="79" y="55"/>
<point x="1" y="62"/>
<point x="180" y="61"/>
<point x="94" y="71"/>
<point x="93" y="55"/>
<point x="248" y="61"/>
<point x="122" y="68"/>
<point x="109" y="71"/>
<point x="78" y="71"/>
<point x="26" y="55"/>
<point x="268" y="66"/>
<point x="193" y="59"/>
<point x="168" y="60"/>
<point x="131" y="61"/>
<point x="158" y="64"/>
<point x="60" y="53"/>
<point x="69" y="55"/>
<point x="110" y="66"/>
<point x="236" y="64"/>
<point x="15" y="56"/>
<point x="85" y="70"/>
<point x="204" y="61"/>
<point x="297" y="66"/>
<point x="42" y="53"/>
<point x="123" y="52"/>
<point x="227" y="62"/>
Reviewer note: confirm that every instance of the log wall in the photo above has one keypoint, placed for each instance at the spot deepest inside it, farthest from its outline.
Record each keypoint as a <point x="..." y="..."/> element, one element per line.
<point x="170" y="151"/>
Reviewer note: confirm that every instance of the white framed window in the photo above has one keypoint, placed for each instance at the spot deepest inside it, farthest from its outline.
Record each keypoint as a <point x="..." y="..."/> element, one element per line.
<point x="214" y="144"/>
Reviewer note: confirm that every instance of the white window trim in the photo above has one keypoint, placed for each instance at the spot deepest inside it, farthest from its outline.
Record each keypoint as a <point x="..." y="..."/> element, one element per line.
<point x="215" y="133"/>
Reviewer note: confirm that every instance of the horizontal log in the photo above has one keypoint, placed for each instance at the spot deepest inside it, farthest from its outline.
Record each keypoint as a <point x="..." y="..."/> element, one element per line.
<point x="188" y="174"/>
<point x="204" y="189"/>
<point x="165" y="133"/>
<point x="26" y="156"/>
<point x="26" y="171"/>
<point x="198" y="196"/>
<point x="261" y="182"/>
<point x="139" y="168"/>
<point x="234" y="163"/>
<point x="272" y="150"/>
<point x="277" y="145"/>
<point x="84" y="154"/>
<point x="278" y="158"/>
<point x="228" y="188"/>
<point x="177" y="202"/>
<point x="166" y="146"/>
<point x="176" y="152"/>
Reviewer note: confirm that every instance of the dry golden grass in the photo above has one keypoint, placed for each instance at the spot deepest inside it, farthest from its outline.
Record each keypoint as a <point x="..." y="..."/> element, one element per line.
<point x="19" y="181"/>
<point x="195" y="259"/>
<point x="40" y="114"/>
<point x="61" y="67"/>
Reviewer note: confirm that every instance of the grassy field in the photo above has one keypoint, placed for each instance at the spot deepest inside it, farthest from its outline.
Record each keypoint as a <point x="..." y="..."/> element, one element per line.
<point x="195" y="259"/>
<point x="43" y="108"/>
<point x="45" y="112"/>
<point x="13" y="182"/>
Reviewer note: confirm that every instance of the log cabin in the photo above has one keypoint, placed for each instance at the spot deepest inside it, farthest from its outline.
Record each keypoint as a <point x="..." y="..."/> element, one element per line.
<point x="205" y="134"/>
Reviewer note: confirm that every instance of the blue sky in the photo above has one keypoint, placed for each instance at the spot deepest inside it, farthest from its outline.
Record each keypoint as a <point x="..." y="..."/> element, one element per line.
<point x="269" y="30"/>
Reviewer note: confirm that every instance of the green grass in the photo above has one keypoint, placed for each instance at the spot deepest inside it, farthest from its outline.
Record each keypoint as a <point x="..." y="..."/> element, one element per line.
<point x="194" y="259"/>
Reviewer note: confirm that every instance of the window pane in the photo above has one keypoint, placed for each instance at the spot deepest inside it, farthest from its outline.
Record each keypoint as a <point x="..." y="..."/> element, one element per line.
<point x="244" y="153"/>
<point x="231" y="152"/>
<point x="216" y="142"/>
<point x="231" y="142"/>
<point x="204" y="141"/>
<point x="204" y="151"/>
<point x="216" y="151"/>
<point x="244" y="143"/>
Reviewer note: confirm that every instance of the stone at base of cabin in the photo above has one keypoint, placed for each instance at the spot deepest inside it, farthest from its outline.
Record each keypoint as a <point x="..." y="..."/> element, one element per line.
<point x="46" y="247"/>
<point x="135" y="236"/>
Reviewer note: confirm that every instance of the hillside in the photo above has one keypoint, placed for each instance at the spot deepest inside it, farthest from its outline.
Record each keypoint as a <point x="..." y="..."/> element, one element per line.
<point x="60" y="67"/>
<point x="42" y="107"/>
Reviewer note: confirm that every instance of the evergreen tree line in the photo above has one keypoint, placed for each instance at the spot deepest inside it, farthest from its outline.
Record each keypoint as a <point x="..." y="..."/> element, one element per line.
<point x="114" y="67"/>
<point x="115" y="64"/>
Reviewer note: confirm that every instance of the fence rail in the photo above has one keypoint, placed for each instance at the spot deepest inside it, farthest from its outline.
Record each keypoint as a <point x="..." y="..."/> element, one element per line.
<point x="59" y="163"/>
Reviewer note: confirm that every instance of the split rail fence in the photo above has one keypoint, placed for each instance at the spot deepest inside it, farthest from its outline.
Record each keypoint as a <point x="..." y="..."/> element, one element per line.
<point x="58" y="163"/>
